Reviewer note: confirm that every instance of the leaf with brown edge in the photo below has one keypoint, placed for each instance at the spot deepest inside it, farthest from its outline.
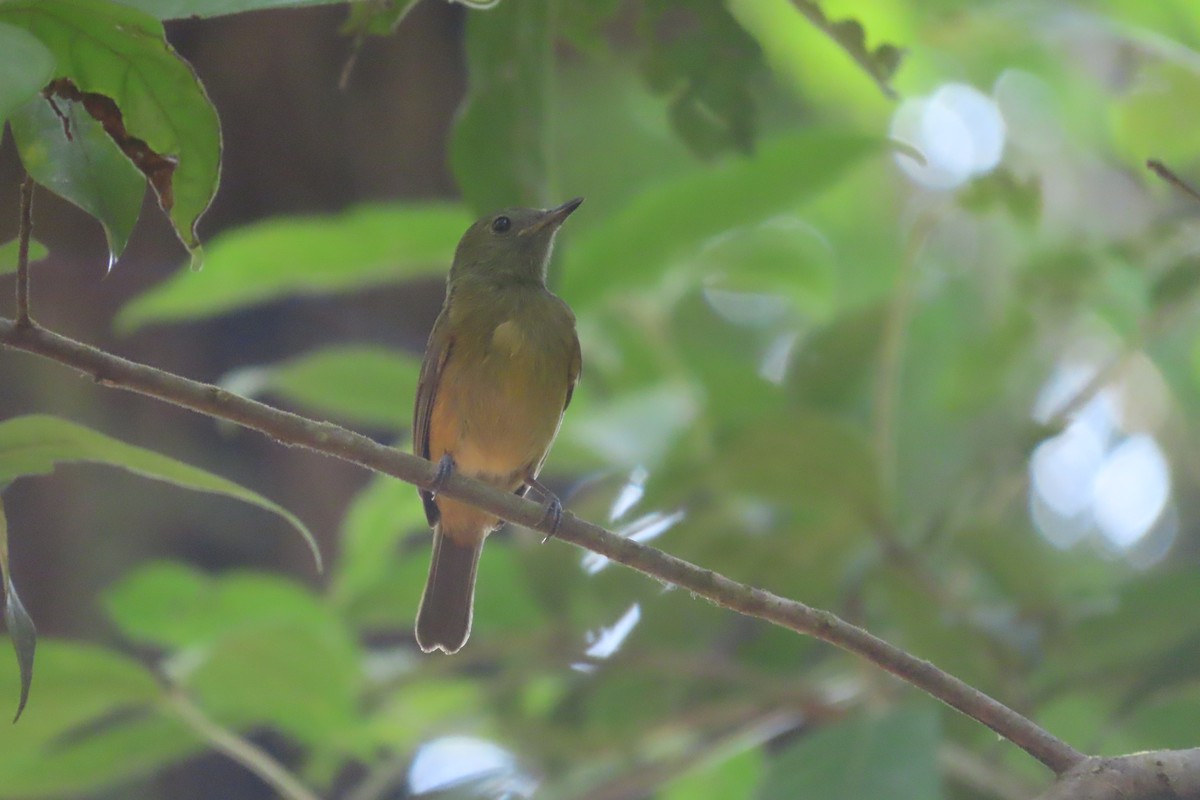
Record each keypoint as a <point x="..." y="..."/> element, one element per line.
<point x="158" y="169"/>
<point x="115" y="62"/>
<point x="17" y="620"/>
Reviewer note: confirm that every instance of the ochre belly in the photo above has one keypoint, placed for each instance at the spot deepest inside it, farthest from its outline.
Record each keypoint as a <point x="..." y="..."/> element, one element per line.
<point x="495" y="413"/>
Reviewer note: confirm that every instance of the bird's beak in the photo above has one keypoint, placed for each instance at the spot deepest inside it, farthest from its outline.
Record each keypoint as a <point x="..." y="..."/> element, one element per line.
<point x="553" y="217"/>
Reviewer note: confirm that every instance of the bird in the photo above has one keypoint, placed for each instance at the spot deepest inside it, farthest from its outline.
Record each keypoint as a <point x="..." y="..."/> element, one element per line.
<point x="499" y="371"/>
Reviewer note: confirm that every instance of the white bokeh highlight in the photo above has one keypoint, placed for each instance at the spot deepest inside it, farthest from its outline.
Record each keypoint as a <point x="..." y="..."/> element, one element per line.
<point x="958" y="129"/>
<point x="1105" y="478"/>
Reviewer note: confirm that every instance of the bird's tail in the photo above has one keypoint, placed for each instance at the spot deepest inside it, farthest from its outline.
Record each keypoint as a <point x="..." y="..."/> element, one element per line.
<point x="444" y="619"/>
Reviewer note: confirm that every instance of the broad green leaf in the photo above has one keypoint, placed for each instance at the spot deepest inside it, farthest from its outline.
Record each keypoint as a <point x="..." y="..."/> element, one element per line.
<point x="500" y="146"/>
<point x="88" y="169"/>
<point x="25" y="68"/>
<point x="8" y="254"/>
<point x="92" y="722"/>
<point x="187" y="9"/>
<point x="121" y="53"/>
<point x="364" y="385"/>
<point x="1155" y="617"/>
<point x="300" y="677"/>
<point x="735" y="776"/>
<point x="173" y="605"/>
<point x="380" y="514"/>
<point x="35" y="444"/>
<point x="17" y="620"/>
<point x="782" y="257"/>
<point x="363" y="247"/>
<point x="632" y="248"/>
<point x="255" y="648"/>
<point x="804" y="459"/>
<point x="785" y="30"/>
<point x="893" y="755"/>
<point x="705" y="69"/>
<point x="1148" y="120"/>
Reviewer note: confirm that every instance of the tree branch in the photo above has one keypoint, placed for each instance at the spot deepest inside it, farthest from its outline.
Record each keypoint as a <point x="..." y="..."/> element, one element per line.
<point x="1157" y="774"/>
<point x="322" y="437"/>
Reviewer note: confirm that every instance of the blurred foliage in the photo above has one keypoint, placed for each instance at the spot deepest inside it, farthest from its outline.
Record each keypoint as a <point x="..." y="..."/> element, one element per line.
<point x="801" y="370"/>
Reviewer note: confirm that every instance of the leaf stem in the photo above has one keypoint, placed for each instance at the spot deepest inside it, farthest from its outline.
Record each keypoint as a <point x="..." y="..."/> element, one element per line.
<point x="1167" y="174"/>
<point x="323" y="437"/>
<point x="238" y="748"/>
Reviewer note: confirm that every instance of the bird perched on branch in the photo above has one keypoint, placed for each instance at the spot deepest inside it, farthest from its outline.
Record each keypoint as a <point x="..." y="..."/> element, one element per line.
<point x="499" y="370"/>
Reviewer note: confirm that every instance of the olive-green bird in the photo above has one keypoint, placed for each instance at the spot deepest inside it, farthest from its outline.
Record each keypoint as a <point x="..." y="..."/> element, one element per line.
<point x="499" y="370"/>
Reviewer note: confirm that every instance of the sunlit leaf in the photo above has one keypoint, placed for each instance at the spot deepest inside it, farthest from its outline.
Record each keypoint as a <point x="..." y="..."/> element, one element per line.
<point x="891" y="755"/>
<point x="736" y="776"/>
<point x="27" y="66"/>
<point x="380" y="514"/>
<point x="17" y="620"/>
<point x="35" y="444"/>
<point x="633" y="247"/>
<point x="364" y="385"/>
<point x="88" y="169"/>
<point x="92" y="722"/>
<point x="256" y="648"/>
<point x="269" y="260"/>
<point x="499" y="147"/>
<point x="8" y="254"/>
<point x="121" y="54"/>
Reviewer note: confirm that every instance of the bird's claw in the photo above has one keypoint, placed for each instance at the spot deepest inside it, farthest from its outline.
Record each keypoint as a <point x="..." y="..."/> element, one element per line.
<point x="445" y="469"/>
<point x="553" y="509"/>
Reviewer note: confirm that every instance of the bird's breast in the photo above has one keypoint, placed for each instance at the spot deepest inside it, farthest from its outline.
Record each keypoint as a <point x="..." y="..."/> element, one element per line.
<point x="500" y="398"/>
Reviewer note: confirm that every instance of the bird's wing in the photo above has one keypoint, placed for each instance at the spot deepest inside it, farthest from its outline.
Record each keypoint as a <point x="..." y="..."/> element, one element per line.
<point x="573" y="372"/>
<point x="574" y="368"/>
<point x="437" y="353"/>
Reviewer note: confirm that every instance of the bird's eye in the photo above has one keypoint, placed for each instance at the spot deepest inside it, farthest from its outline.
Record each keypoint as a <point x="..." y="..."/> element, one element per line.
<point x="501" y="224"/>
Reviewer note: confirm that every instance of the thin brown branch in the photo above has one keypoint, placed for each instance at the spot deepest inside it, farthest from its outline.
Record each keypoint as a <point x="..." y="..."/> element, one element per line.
<point x="1167" y="174"/>
<point x="294" y="430"/>
<point x="24" y="232"/>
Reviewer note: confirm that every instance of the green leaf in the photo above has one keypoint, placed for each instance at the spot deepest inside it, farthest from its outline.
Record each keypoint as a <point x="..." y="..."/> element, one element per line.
<point x="364" y="385"/>
<point x="26" y="67"/>
<point x="736" y="776"/>
<point x="189" y="9"/>
<point x="16" y="620"/>
<point x="35" y="444"/>
<point x="632" y="248"/>
<point x="782" y="257"/>
<point x="8" y="254"/>
<point x="779" y="27"/>
<point x="118" y="52"/>
<point x="705" y="67"/>
<point x="893" y="755"/>
<point x="93" y="721"/>
<point x="88" y="169"/>
<point x="804" y="459"/>
<point x="500" y="146"/>
<point x="366" y="246"/>
<point x="255" y="648"/>
<point x="384" y="511"/>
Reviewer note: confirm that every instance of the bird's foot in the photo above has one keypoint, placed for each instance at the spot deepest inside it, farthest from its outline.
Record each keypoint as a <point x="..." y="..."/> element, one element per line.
<point x="553" y="508"/>
<point x="445" y="469"/>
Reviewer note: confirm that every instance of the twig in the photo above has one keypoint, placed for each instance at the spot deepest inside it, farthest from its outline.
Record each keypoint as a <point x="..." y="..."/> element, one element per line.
<point x="241" y="750"/>
<point x="1167" y="174"/>
<point x="294" y="430"/>
<point x="24" y="232"/>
